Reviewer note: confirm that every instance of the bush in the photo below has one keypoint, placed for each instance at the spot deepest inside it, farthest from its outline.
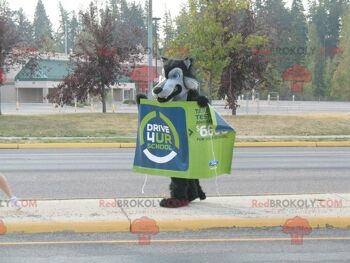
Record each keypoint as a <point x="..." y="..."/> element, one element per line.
<point x="130" y="102"/>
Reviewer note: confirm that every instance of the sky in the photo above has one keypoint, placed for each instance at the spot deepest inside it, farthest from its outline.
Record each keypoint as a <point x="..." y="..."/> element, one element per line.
<point x="51" y="7"/>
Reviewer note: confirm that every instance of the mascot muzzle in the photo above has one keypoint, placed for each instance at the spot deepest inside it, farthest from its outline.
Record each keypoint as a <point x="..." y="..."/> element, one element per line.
<point x="175" y="87"/>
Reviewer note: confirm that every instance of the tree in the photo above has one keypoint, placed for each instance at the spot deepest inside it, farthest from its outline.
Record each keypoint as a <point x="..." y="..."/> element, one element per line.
<point x="316" y="63"/>
<point x="275" y="22"/>
<point x="42" y="28"/>
<point x="24" y="28"/>
<point x="63" y="27"/>
<point x="208" y="31"/>
<point x="73" y="31"/>
<point x="340" y="87"/>
<point x="298" y="36"/>
<point x="98" y="58"/>
<point x="9" y="37"/>
<point x="245" y="70"/>
<point x="12" y="46"/>
<point x="168" y="29"/>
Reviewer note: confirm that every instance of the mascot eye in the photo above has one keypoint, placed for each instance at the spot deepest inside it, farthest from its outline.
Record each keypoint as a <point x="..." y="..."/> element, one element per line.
<point x="176" y="76"/>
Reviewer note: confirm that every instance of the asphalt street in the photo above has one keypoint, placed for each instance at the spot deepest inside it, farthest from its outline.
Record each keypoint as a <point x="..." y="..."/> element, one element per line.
<point x="107" y="173"/>
<point x="225" y="245"/>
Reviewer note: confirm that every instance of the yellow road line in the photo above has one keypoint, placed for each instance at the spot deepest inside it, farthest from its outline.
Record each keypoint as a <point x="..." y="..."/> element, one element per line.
<point x="203" y="240"/>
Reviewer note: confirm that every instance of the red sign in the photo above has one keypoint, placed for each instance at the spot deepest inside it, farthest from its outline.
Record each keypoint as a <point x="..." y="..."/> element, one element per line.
<point x="140" y="76"/>
<point x="298" y="75"/>
<point x="2" y="76"/>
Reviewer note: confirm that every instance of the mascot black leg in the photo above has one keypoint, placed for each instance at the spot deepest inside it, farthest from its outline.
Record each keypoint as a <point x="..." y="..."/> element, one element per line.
<point x="178" y="193"/>
<point x="195" y="190"/>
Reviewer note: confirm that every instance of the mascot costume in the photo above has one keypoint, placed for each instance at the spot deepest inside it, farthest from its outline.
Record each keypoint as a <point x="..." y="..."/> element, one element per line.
<point x="179" y="85"/>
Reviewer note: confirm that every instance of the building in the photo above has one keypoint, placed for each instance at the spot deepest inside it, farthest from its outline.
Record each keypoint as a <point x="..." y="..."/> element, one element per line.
<point x="33" y="86"/>
<point x="24" y="85"/>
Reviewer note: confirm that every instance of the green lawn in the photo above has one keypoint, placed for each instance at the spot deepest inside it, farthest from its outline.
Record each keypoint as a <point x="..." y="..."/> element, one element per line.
<point x="125" y="125"/>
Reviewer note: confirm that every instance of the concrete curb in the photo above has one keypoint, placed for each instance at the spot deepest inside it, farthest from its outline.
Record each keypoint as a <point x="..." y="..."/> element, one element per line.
<point x="133" y="145"/>
<point x="99" y="226"/>
<point x="88" y="216"/>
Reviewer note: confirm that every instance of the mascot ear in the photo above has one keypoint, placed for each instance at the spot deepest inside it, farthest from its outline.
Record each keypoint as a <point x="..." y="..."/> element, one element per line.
<point x="188" y="62"/>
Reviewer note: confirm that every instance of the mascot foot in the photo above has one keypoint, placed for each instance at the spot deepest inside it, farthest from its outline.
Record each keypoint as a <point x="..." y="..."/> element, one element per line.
<point x="173" y="202"/>
<point x="202" y="195"/>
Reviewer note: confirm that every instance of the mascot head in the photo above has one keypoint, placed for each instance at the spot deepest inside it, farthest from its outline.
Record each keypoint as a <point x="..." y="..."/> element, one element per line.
<point x="177" y="81"/>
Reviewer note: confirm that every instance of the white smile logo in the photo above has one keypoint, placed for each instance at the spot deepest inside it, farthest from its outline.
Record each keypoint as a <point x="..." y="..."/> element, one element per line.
<point x="158" y="137"/>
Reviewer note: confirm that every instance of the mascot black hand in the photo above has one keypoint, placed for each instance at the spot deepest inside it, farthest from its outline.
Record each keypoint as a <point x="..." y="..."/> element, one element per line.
<point x="139" y="97"/>
<point x="179" y="84"/>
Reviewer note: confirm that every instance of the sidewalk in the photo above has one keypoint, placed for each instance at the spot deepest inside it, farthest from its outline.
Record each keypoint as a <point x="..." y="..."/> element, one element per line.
<point x="123" y="214"/>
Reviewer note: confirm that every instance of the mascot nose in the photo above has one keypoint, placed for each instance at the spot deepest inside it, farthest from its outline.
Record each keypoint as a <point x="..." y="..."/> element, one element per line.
<point x="157" y="90"/>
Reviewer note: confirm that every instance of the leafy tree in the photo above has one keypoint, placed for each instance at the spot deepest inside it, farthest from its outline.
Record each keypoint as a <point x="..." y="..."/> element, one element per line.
<point x="42" y="28"/>
<point x="245" y="70"/>
<point x="11" y="44"/>
<point x="98" y="57"/>
<point x="210" y="33"/>
<point x="9" y="37"/>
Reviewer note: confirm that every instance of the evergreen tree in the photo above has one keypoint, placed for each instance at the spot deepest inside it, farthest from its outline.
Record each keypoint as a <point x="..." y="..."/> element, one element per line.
<point x="131" y="23"/>
<point x="275" y="22"/>
<point x="298" y="32"/>
<point x="113" y="4"/>
<point x="24" y="28"/>
<point x="73" y="31"/>
<point x="168" y="29"/>
<point x="63" y="26"/>
<point x="340" y="87"/>
<point x="42" y="28"/>
<point x="316" y="62"/>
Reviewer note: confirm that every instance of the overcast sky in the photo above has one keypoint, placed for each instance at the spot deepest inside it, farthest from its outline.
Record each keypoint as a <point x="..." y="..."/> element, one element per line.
<point x="51" y="7"/>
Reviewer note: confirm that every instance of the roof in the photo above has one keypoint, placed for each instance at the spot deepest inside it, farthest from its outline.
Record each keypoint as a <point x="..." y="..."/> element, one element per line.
<point x="47" y="70"/>
<point x="52" y="70"/>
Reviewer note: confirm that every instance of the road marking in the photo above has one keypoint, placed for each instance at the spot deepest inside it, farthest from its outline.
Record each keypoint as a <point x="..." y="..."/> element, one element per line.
<point x="203" y="240"/>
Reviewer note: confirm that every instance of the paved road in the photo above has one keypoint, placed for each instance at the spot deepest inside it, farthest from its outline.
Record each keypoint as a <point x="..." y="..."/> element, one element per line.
<point x="106" y="173"/>
<point x="228" y="245"/>
<point x="246" y="107"/>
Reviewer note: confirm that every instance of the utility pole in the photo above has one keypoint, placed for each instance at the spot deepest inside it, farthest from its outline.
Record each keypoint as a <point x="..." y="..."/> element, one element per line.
<point x="156" y="19"/>
<point x="149" y="48"/>
<point x="65" y="38"/>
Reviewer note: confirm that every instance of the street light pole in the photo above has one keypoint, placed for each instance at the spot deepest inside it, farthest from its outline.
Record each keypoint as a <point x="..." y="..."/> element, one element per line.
<point x="149" y="48"/>
<point x="156" y="19"/>
<point x="65" y="38"/>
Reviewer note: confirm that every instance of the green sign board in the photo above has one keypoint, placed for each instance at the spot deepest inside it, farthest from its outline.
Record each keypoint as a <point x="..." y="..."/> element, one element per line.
<point x="180" y="139"/>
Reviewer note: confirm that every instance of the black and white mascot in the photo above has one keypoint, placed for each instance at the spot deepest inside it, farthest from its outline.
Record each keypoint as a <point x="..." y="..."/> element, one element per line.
<point x="179" y="84"/>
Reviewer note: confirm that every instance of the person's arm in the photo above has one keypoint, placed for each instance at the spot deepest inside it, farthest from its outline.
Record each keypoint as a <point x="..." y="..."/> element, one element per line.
<point x="4" y="186"/>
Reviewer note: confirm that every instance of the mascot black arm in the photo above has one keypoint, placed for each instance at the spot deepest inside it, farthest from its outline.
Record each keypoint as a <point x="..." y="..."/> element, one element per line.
<point x="139" y="97"/>
<point x="193" y="95"/>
